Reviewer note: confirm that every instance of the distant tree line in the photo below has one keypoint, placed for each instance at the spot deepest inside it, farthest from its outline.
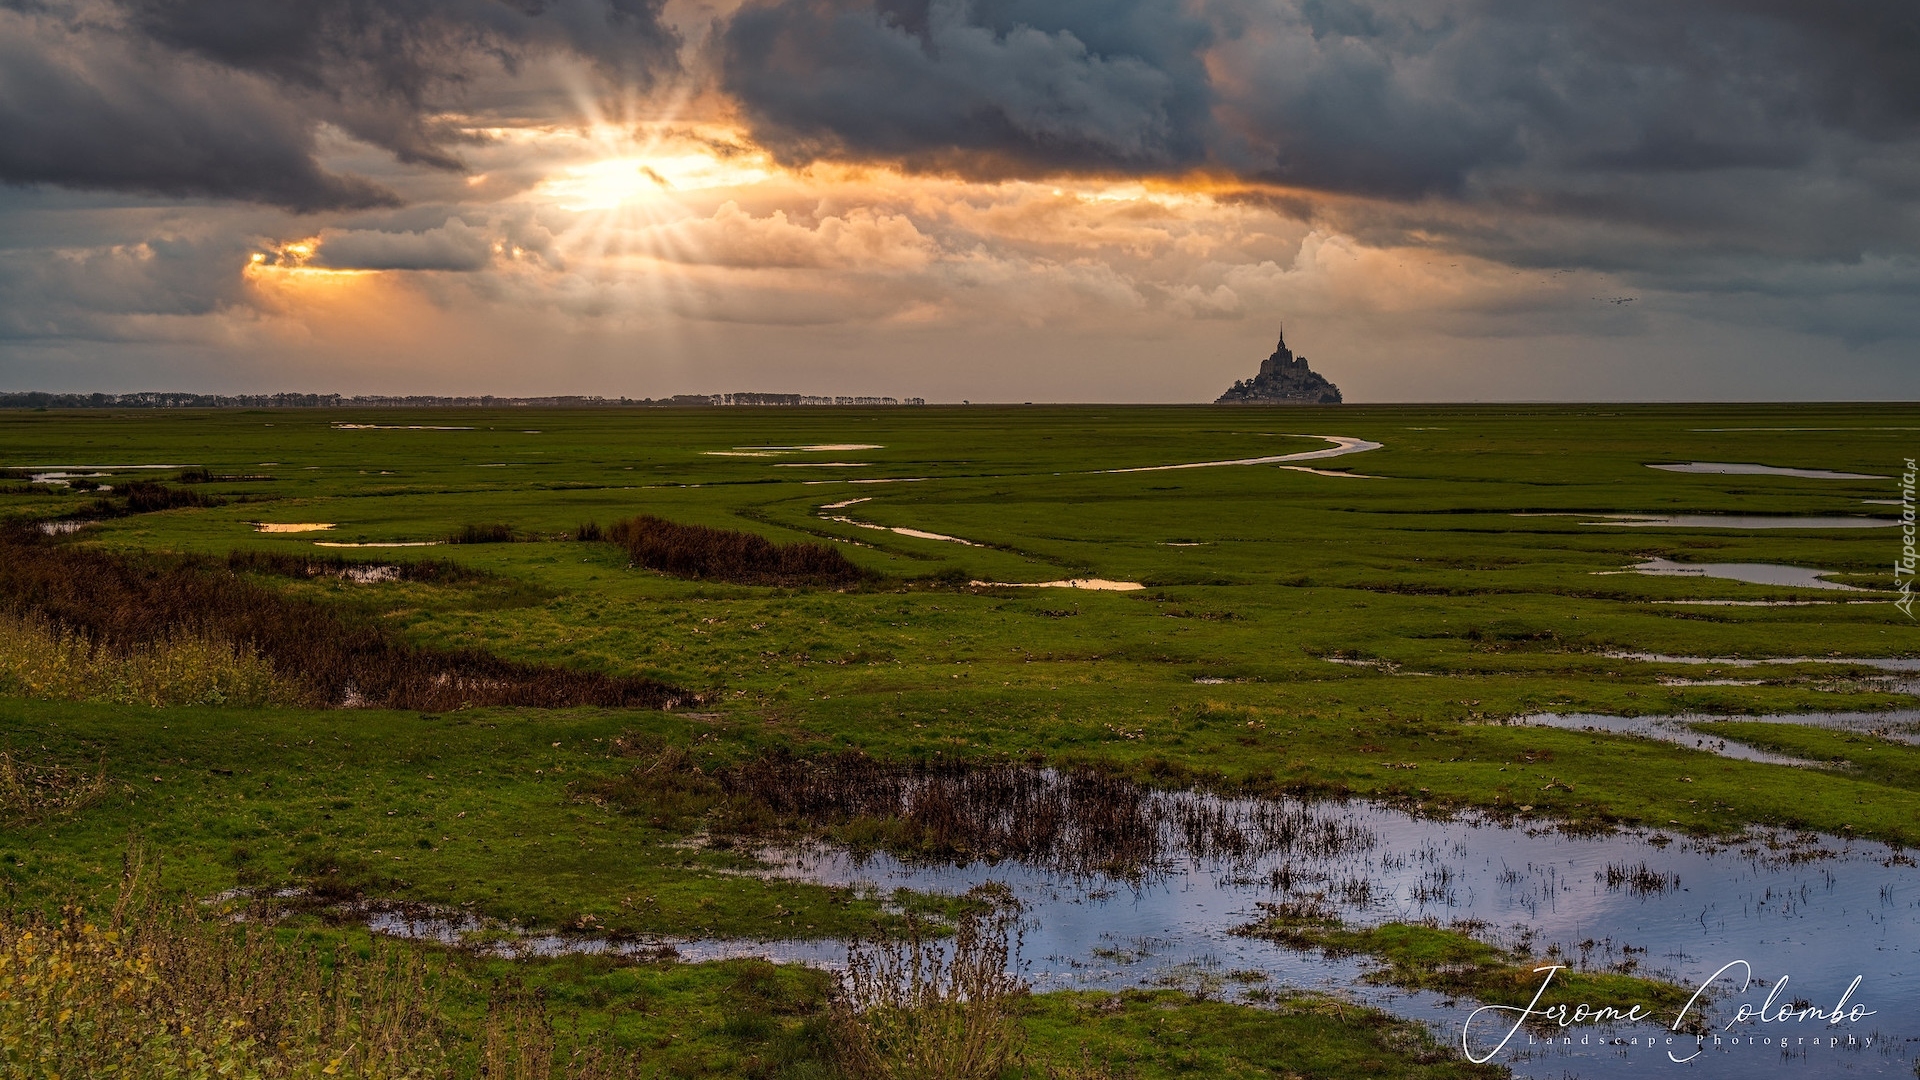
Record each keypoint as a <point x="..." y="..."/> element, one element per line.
<point x="181" y="400"/>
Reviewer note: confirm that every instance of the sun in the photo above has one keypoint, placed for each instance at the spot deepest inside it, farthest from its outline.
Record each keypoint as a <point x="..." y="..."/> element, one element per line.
<point x="617" y="182"/>
<point x="652" y="173"/>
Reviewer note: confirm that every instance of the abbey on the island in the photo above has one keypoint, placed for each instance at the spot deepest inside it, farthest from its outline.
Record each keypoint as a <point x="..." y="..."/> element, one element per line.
<point x="1284" y="379"/>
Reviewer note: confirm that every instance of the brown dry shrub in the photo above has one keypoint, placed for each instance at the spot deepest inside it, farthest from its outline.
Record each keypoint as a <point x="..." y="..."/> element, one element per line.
<point x="706" y="553"/>
<point x="931" y="1008"/>
<point x="125" y="602"/>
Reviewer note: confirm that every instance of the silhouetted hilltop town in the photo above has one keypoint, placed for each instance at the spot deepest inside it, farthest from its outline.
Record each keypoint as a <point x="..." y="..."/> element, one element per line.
<point x="1284" y="379"/>
<point x="171" y="400"/>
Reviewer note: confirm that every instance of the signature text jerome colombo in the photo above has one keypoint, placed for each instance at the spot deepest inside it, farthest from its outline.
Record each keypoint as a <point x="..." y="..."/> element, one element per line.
<point x="1772" y="1011"/>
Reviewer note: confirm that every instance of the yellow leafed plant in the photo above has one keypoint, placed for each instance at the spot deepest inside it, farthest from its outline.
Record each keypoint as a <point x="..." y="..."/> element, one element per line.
<point x="158" y="990"/>
<point x="40" y="660"/>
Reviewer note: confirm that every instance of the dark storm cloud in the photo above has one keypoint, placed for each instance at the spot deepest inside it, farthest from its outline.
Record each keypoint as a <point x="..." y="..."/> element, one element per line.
<point x="1409" y="100"/>
<point x="1617" y="110"/>
<point x="92" y="112"/>
<point x="225" y="98"/>
<point x="120" y="292"/>
<point x="990" y="87"/>
<point x="380" y="63"/>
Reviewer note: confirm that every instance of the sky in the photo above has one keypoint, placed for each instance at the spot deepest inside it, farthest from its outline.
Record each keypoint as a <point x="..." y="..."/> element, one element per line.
<point x="990" y="200"/>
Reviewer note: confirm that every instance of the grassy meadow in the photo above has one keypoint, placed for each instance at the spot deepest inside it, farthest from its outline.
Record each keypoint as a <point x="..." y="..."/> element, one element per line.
<point x="1361" y="634"/>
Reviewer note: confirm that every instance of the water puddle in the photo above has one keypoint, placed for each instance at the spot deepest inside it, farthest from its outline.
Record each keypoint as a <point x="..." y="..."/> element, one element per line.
<point x="874" y="480"/>
<point x="823" y="464"/>
<point x="815" y="448"/>
<point x="1739" y="521"/>
<point x="1728" y="468"/>
<point x="378" y="543"/>
<point x="65" y="475"/>
<point x="1096" y="584"/>
<point x="1342" y="446"/>
<point x="62" y="528"/>
<point x="1686" y="729"/>
<point x="290" y="527"/>
<point x="919" y="534"/>
<point x="95" y="470"/>
<point x="1883" y="663"/>
<point x="1767" y="603"/>
<point x="844" y="503"/>
<point x="398" y="427"/>
<point x="1387" y="666"/>
<point x="1753" y="573"/>
<point x="1809" y="913"/>
<point x="59" y="478"/>
<point x="1677" y="730"/>
<point x="1328" y="472"/>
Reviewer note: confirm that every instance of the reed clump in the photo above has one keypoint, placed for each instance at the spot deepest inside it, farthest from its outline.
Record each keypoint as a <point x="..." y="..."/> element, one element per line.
<point x="702" y="552"/>
<point x="146" y="497"/>
<point x="44" y="660"/>
<point x="1641" y="880"/>
<point x="1082" y="820"/>
<point x="488" y="533"/>
<point x="123" y="604"/>
<point x="926" y="1007"/>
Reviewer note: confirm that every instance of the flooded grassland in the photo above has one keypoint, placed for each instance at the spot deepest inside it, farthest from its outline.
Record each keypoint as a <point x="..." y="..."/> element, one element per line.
<point x="1271" y="741"/>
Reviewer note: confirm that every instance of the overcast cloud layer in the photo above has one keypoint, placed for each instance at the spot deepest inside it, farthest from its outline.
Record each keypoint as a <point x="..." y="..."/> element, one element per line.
<point x="997" y="199"/>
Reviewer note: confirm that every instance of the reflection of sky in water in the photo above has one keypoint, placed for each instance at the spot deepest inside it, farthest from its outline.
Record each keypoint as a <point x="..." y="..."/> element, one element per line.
<point x="1884" y="663"/>
<point x="1816" y="922"/>
<point x="1727" y="468"/>
<point x="1696" y="730"/>
<point x="1753" y="573"/>
<point x="1819" y="923"/>
<point x="1742" y="521"/>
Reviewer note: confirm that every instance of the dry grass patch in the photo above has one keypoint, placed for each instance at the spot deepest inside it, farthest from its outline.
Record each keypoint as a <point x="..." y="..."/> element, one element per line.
<point x="41" y="659"/>
<point x="153" y="990"/>
<point x="932" y="1008"/>
<point x="32" y="792"/>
